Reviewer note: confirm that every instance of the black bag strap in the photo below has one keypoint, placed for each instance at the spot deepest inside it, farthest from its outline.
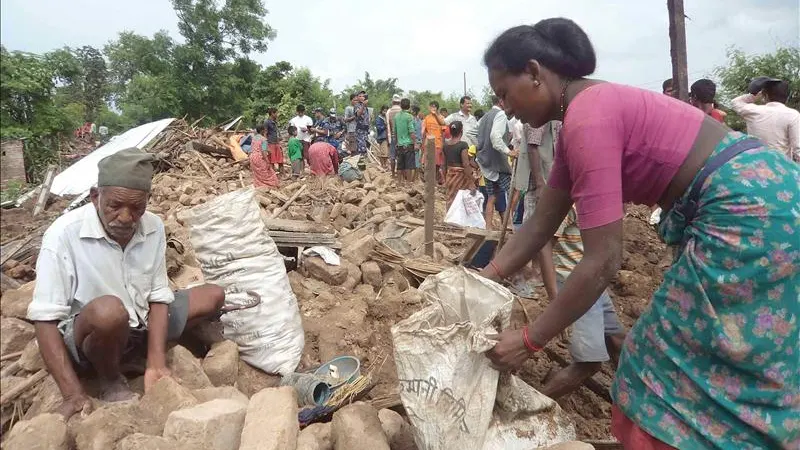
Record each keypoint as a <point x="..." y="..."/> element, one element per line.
<point x="688" y="209"/>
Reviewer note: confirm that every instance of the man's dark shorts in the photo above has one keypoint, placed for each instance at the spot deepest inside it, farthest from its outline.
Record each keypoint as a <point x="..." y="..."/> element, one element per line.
<point x="499" y="189"/>
<point x="178" y="313"/>
<point x="406" y="157"/>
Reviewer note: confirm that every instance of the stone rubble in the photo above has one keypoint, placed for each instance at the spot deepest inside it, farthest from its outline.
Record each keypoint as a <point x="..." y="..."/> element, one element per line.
<point x="215" y="401"/>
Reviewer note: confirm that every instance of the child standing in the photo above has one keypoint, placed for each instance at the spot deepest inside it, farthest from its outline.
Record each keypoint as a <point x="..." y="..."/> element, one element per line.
<point x="381" y="135"/>
<point x="598" y="335"/>
<point x="295" y="150"/>
<point x="275" y="151"/>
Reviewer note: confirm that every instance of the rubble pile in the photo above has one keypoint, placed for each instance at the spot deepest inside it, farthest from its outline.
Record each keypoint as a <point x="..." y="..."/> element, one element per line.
<point x="217" y="401"/>
<point x="214" y="403"/>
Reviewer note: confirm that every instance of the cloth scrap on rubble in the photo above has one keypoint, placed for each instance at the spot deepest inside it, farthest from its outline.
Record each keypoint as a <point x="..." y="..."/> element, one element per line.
<point x="326" y="253"/>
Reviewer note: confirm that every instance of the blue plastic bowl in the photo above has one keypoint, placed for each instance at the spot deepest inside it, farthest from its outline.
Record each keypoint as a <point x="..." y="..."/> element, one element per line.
<point x="349" y="368"/>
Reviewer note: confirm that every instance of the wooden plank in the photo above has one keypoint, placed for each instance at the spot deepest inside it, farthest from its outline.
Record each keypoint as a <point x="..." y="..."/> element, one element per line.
<point x="605" y="444"/>
<point x="41" y="202"/>
<point x="297" y="226"/>
<point x="203" y="163"/>
<point x="208" y="149"/>
<point x="278" y="195"/>
<point x="14" y="392"/>
<point x="13" y="252"/>
<point x="10" y="356"/>
<point x="302" y="245"/>
<point x="318" y="238"/>
<point x="289" y="202"/>
<point x="467" y="256"/>
<point x="509" y="211"/>
<point x="430" y="189"/>
<point x="677" y="49"/>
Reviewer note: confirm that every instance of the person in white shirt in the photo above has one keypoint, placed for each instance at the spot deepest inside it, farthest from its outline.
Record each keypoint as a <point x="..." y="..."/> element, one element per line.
<point x="391" y="133"/>
<point x="102" y="294"/>
<point x="303" y="123"/>
<point x="492" y="158"/>
<point x="773" y="122"/>
<point x="470" y="123"/>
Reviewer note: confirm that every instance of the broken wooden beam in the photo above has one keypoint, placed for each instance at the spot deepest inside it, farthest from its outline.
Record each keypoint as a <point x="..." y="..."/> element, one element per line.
<point x="13" y="252"/>
<point x="41" y="202"/>
<point x="203" y="163"/>
<point x="297" y="226"/>
<point x="10" y="356"/>
<point x="291" y="200"/>
<point x="304" y="239"/>
<point x="11" y="394"/>
<point x="208" y="149"/>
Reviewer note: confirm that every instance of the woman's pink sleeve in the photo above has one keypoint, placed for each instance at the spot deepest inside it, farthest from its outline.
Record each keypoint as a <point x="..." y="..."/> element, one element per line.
<point x="588" y="163"/>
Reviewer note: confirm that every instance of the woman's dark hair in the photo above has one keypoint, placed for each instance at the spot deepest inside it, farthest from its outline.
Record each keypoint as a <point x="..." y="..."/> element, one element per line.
<point x="558" y="44"/>
<point x="414" y="109"/>
<point x="292" y="130"/>
<point x="384" y="108"/>
<point x="271" y="110"/>
<point x="456" y="128"/>
<point x="260" y="128"/>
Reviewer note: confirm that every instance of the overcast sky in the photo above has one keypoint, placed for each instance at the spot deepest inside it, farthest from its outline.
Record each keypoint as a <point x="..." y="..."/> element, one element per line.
<point x="428" y="44"/>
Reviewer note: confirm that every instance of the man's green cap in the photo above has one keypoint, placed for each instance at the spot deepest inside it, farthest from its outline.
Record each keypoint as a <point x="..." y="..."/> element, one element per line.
<point x="130" y="168"/>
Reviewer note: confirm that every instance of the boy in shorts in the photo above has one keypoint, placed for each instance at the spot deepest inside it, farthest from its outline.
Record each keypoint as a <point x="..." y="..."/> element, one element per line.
<point x="295" y="151"/>
<point x="598" y="335"/>
<point x="406" y="142"/>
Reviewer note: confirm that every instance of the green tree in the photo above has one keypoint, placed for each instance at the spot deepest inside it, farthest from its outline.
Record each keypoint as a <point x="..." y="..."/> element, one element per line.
<point x="28" y="110"/>
<point x="132" y="54"/>
<point x="81" y="77"/>
<point x="735" y="76"/>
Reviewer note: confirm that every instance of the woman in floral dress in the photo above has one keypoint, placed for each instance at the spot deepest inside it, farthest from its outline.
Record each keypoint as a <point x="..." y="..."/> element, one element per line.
<point x="264" y="175"/>
<point x="714" y="363"/>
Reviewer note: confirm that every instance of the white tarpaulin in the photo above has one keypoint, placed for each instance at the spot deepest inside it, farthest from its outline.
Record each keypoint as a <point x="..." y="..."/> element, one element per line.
<point x="78" y="178"/>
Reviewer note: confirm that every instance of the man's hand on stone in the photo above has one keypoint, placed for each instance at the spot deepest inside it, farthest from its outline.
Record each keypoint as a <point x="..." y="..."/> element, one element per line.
<point x="79" y="403"/>
<point x="153" y="374"/>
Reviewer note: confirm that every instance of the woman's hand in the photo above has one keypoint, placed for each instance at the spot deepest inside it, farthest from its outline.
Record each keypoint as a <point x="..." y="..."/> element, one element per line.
<point x="510" y="352"/>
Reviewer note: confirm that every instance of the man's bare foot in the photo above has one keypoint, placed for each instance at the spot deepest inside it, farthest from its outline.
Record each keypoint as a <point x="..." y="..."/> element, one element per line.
<point x="116" y="391"/>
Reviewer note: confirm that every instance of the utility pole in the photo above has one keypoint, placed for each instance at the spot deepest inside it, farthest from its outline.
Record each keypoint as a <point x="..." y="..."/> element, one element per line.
<point x="465" y="84"/>
<point x="677" y="49"/>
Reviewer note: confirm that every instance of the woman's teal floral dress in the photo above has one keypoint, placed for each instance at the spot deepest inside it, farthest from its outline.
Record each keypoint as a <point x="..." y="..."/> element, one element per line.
<point x="715" y="361"/>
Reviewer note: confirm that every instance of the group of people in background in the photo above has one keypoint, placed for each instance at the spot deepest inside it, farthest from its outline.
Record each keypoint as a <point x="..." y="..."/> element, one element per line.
<point x="763" y="109"/>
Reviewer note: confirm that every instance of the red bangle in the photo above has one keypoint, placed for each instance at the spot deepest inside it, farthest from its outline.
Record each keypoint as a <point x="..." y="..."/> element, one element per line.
<point x="496" y="269"/>
<point x="528" y="344"/>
